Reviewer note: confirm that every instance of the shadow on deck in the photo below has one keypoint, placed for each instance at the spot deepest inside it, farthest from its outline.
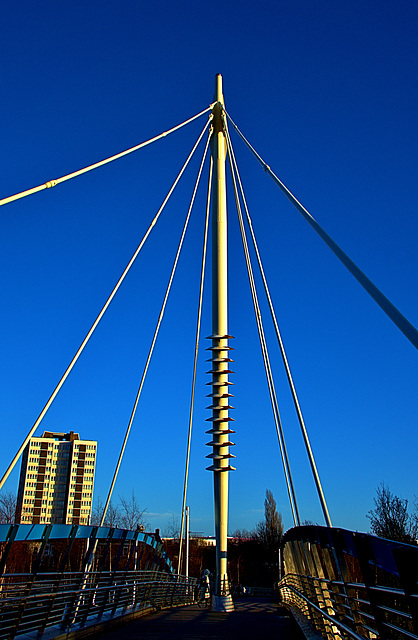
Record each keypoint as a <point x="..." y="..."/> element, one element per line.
<point x="252" y="619"/>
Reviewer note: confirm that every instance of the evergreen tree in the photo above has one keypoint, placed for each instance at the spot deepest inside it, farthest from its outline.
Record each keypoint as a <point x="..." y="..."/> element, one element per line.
<point x="269" y="531"/>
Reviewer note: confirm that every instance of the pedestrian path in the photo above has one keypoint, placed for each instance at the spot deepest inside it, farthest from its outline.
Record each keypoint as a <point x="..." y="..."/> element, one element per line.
<point x="252" y="620"/>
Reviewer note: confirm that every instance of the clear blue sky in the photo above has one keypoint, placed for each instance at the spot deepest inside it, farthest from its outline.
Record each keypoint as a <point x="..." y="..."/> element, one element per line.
<point x="327" y="93"/>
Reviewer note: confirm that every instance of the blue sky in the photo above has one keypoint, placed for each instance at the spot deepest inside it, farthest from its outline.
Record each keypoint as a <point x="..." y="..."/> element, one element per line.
<point x="327" y="94"/>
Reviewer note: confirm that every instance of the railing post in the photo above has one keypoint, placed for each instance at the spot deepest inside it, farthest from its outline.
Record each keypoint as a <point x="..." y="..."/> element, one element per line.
<point x="9" y="543"/>
<point x="112" y="579"/>
<point x="30" y="583"/>
<point x="61" y="570"/>
<point x="368" y="569"/>
<point x="407" y="562"/>
<point x="338" y="538"/>
<point x="95" y="576"/>
<point x="74" y="605"/>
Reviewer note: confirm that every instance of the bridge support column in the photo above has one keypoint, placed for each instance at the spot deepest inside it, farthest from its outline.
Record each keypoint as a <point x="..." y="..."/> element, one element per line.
<point x="220" y="350"/>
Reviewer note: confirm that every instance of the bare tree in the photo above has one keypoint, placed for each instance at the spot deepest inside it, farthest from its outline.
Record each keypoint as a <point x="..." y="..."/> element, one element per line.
<point x="96" y="512"/>
<point x="243" y="534"/>
<point x="132" y="515"/>
<point x="390" y="518"/>
<point x="7" y="507"/>
<point x="126" y="514"/>
<point x="113" y="515"/>
<point x="172" y="529"/>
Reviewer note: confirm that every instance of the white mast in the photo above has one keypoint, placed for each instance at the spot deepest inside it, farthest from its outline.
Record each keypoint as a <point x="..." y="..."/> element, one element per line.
<point x="220" y="420"/>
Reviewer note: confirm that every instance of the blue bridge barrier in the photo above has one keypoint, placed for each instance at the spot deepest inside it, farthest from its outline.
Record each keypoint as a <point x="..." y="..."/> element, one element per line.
<point x="56" y="579"/>
<point x="60" y="578"/>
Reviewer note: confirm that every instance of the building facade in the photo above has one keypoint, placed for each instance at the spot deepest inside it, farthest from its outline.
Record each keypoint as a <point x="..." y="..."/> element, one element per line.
<point x="56" y="480"/>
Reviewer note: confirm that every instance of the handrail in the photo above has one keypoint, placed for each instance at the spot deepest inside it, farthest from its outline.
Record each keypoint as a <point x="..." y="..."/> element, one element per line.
<point x="49" y="580"/>
<point x="95" y="604"/>
<point x="351" y="585"/>
<point x="334" y="622"/>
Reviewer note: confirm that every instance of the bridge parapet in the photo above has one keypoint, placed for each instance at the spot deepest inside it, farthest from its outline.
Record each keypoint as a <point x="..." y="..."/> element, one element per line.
<point x="351" y="585"/>
<point x="59" y="578"/>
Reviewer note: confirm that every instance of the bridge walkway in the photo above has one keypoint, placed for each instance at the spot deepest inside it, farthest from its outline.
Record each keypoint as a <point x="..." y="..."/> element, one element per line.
<point x="251" y="620"/>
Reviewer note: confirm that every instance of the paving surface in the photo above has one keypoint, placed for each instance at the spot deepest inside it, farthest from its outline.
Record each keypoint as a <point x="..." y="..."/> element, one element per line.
<point x="252" y="619"/>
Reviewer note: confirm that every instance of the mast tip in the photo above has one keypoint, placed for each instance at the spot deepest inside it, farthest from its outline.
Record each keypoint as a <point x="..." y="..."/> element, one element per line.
<point x="218" y="88"/>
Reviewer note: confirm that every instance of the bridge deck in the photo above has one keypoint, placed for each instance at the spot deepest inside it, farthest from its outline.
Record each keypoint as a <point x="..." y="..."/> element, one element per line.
<point x="251" y="619"/>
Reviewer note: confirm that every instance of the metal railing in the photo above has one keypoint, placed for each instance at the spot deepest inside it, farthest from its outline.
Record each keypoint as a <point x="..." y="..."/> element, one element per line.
<point x="351" y="585"/>
<point x="55" y="579"/>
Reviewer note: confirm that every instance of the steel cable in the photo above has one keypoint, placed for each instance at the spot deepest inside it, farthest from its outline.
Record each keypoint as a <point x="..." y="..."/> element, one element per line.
<point x="384" y="303"/>
<point x="287" y="367"/>
<point x="198" y="324"/>
<point x="99" y="317"/>
<point x="160" y="317"/>
<point x="74" y="174"/>
<point x="263" y="344"/>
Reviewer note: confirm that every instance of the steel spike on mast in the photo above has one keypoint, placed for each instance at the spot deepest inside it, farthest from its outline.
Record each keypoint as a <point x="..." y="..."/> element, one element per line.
<point x="220" y="419"/>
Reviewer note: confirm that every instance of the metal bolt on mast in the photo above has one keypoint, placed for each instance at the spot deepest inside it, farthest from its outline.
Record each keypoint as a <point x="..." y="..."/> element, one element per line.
<point x="220" y="395"/>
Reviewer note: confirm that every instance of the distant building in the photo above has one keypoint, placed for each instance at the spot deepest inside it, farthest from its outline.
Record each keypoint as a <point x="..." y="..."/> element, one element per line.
<point x="56" y="480"/>
<point x="203" y="541"/>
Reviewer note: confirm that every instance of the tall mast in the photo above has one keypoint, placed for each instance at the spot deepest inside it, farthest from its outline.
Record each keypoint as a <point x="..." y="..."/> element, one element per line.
<point x="220" y="350"/>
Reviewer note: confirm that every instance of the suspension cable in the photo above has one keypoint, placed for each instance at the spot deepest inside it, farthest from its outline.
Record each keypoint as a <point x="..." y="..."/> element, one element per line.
<point x="160" y="317"/>
<point x="196" y="349"/>
<point x="263" y="343"/>
<point x="99" y="317"/>
<point x="53" y="183"/>
<point x="286" y="363"/>
<point x="289" y="374"/>
<point x="384" y="303"/>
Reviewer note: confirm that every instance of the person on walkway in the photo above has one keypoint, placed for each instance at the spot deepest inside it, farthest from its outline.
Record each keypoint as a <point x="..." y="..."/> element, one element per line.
<point x="205" y="585"/>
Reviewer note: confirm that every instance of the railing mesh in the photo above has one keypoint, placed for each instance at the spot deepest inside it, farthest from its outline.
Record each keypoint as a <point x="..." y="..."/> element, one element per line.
<point x="64" y="578"/>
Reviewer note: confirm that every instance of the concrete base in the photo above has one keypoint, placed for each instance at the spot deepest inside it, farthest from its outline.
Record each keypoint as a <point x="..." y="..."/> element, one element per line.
<point x="222" y="604"/>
